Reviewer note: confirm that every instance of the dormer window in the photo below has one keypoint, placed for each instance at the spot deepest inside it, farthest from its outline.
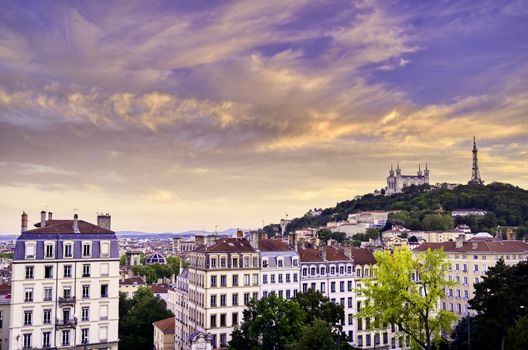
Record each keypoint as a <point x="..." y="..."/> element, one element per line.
<point x="295" y="262"/>
<point x="280" y="262"/>
<point x="68" y="250"/>
<point x="265" y="263"/>
<point x="332" y="270"/>
<point x="48" y="250"/>
<point x="86" y="250"/>
<point x="105" y="249"/>
<point x="341" y="270"/>
<point x="30" y="250"/>
<point x="213" y="263"/>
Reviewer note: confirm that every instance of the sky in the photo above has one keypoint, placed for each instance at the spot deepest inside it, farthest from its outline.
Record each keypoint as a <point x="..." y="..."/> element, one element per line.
<point x="177" y="115"/>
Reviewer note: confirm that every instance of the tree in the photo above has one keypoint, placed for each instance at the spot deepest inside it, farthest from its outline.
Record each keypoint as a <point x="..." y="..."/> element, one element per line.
<point x="269" y="323"/>
<point x="122" y="260"/>
<point x="500" y="300"/>
<point x="320" y="335"/>
<point x="136" y="318"/>
<point x="317" y="306"/>
<point x="406" y="292"/>
<point x="518" y="334"/>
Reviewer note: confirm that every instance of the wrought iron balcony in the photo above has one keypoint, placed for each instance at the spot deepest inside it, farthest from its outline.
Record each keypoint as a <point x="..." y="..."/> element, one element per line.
<point x="66" y="300"/>
<point x="65" y="323"/>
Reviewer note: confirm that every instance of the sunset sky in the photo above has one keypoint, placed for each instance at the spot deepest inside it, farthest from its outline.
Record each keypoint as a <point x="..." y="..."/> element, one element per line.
<point x="184" y="115"/>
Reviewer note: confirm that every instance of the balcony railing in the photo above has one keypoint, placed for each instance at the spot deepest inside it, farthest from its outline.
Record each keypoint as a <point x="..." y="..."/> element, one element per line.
<point x="66" y="300"/>
<point x="65" y="323"/>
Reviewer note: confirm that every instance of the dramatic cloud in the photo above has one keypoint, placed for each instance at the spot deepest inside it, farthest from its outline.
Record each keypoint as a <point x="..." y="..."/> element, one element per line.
<point x="181" y="115"/>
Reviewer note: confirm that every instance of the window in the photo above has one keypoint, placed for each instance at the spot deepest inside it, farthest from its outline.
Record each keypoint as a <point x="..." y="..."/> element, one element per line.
<point x="27" y="341"/>
<point x="84" y="335"/>
<point x="48" y="293"/>
<point x="280" y="263"/>
<point x="46" y="336"/>
<point x="105" y="249"/>
<point x="68" y="250"/>
<point x="288" y="279"/>
<point x="272" y="276"/>
<point x="67" y="292"/>
<point x="104" y="290"/>
<point x="213" y="300"/>
<point x="350" y="302"/>
<point x="349" y="286"/>
<point x="49" y="251"/>
<point x="67" y="271"/>
<point x="86" y="249"/>
<point x="30" y="272"/>
<point x="350" y="319"/>
<point x="255" y="262"/>
<point x="213" y="321"/>
<point x="265" y="294"/>
<point x="30" y="250"/>
<point x="223" y="300"/>
<point x="280" y="278"/>
<point x="213" y="263"/>
<point x="66" y="337"/>
<point x="295" y="278"/>
<point x="295" y="262"/>
<point x="235" y="261"/>
<point x="255" y="295"/>
<point x="28" y="318"/>
<point x="28" y="295"/>
<point x="104" y="269"/>
<point x="47" y="316"/>
<point x="234" y="299"/>
<point x="86" y="291"/>
<point x="281" y="293"/>
<point x="86" y="270"/>
<point x="342" y="286"/>
<point x="246" y="299"/>
<point x="235" y="280"/>
<point x="66" y="314"/>
<point x="48" y="271"/>
<point x="288" y="294"/>
<point x="234" y="318"/>
<point x="323" y="287"/>
<point x="332" y="287"/>
<point x="247" y="279"/>
<point x="85" y="313"/>
<point x="103" y="312"/>
<point x="341" y="270"/>
<point x="222" y="320"/>
<point x="360" y="340"/>
<point x="223" y="339"/>
<point x="223" y="281"/>
<point x="305" y="272"/>
<point x="213" y="281"/>
<point x="264" y="279"/>
<point x="255" y="279"/>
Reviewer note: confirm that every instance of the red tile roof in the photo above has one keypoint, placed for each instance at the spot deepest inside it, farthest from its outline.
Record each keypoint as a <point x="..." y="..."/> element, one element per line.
<point x="159" y="288"/>
<point x="273" y="245"/>
<point x="313" y="255"/>
<point x="227" y="245"/>
<point x="478" y="246"/>
<point x="66" y="226"/>
<point x="363" y="256"/>
<point x="166" y="325"/>
<point x="136" y="280"/>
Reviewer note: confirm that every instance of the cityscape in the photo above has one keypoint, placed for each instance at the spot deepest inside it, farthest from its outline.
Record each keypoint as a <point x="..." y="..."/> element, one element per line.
<point x="263" y="175"/>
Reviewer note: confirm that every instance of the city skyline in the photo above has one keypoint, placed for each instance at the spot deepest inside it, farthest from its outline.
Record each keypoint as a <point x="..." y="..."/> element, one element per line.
<point x="177" y="116"/>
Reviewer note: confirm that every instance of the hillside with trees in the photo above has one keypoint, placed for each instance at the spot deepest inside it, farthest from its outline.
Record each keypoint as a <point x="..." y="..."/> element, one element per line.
<point x="428" y="208"/>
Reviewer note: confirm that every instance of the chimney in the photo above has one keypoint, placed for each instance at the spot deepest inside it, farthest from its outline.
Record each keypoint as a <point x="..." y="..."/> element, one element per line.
<point x="50" y="215"/>
<point x="459" y="241"/>
<point x="199" y="241"/>
<point x="76" y="223"/>
<point x="24" y="222"/>
<point x="322" y="252"/>
<point x="254" y="238"/>
<point x="348" y="251"/>
<point x="239" y="234"/>
<point x="43" y="219"/>
<point x="103" y="220"/>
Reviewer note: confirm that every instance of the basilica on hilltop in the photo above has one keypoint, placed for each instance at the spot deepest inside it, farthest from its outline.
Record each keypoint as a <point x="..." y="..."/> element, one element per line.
<point x="396" y="182"/>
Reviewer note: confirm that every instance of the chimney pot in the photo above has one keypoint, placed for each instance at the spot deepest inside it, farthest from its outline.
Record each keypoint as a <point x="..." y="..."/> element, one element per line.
<point x="50" y="215"/>
<point x="104" y="221"/>
<point x="76" y="223"/>
<point x="24" y="222"/>
<point x="43" y="219"/>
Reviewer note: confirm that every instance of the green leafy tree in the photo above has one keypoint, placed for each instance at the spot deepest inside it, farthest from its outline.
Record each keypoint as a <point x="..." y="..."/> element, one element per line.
<point x="437" y="222"/>
<point x="136" y="316"/>
<point x="269" y="323"/>
<point x="122" y="260"/>
<point x="317" y="306"/>
<point x="320" y="335"/>
<point x="518" y="334"/>
<point x="394" y="296"/>
<point x="500" y="300"/>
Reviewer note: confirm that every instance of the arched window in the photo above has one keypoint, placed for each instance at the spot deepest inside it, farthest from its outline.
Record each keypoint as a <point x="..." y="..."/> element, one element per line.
<point x="341" y="270"/>
<point x="312" y="271"/>
<point x="349" y="270"/>
<point x="305" y="271"/>
<point x="332" y="270"/>
<point x="323" y="270"/>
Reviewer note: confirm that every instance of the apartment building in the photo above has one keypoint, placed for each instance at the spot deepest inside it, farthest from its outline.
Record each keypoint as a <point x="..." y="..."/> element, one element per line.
<point x="281" y="268"/>
<point x="330" y="270"/>
<point x="65" y="286"/>
<point x="179" y="297"/>
<point x="224" y="275"/>
<point x="469" y="262"/>
<point x="5" y="301"/>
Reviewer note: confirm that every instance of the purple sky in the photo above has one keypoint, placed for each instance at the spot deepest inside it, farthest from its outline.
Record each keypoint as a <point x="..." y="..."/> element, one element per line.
<point x="176" y="115"/>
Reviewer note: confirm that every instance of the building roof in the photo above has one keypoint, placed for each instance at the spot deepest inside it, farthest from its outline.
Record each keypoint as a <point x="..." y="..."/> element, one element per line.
<point x="156" y="258"/>
<point x="159" y="288"/>
<point x="313" y="255"/>
<point x="66" y="227"/>
<point x="363" y="256"/>
<point x="136" y="280"/>
<point x="478" y="246"/>
<point x="166" y="325"/>
<point x="274" y="245"/>
<point x="227" y="245"/>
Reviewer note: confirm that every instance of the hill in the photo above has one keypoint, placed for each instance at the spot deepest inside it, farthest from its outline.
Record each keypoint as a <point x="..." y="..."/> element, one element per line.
<point x="428" y="208"/>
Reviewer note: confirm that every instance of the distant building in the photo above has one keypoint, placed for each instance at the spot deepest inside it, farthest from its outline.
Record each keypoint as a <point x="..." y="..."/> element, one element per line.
<point x="396" y="182"/>
<point x="130" y="286"/>
<point x="164" y="334"/>
<point x="182" y="246"/>
<point x="468" y="212"/>
<point x="280" y="269"/>
<point x="156" y="258"/>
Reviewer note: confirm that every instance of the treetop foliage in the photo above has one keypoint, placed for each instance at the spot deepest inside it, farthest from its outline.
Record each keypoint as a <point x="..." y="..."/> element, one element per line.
<point x="507" y="206"/>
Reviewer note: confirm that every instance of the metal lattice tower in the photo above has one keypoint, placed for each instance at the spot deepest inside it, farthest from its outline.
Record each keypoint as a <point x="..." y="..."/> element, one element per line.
<point x="475" y="176"/>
